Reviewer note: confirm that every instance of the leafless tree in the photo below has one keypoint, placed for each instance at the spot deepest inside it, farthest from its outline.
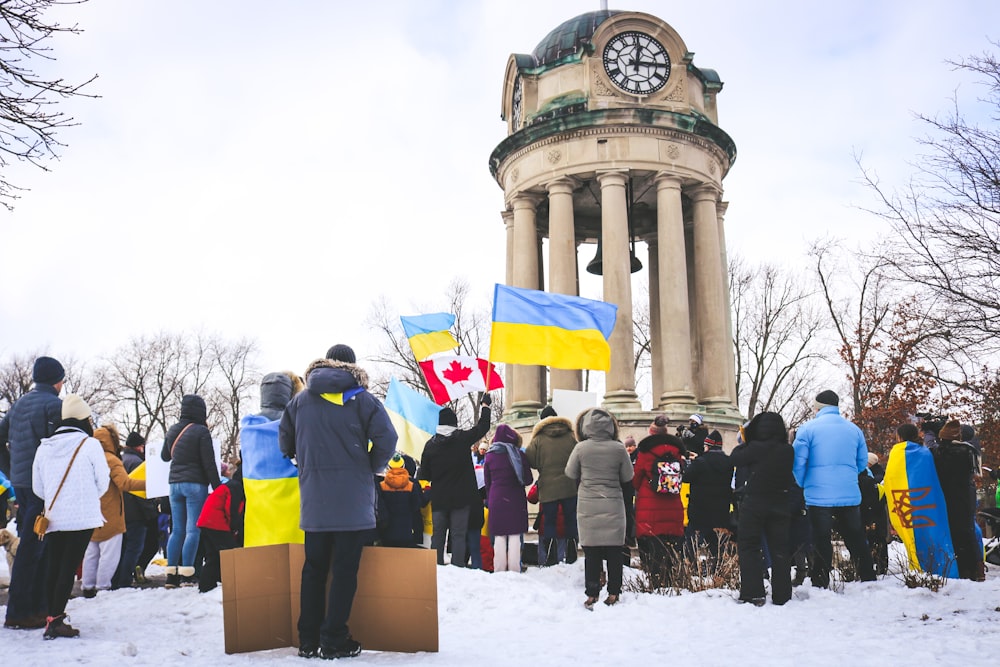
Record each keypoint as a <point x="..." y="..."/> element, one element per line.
<point x="230" y="394"/>
<point x="29" y="120"/>
<point x="947" y="219"/>
<point x="776" y="333"/>
<point x="15" y="378"/>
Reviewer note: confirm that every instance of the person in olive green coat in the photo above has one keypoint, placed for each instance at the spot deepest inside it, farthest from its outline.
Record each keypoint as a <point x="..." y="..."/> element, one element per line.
<point x="552" y="441"/>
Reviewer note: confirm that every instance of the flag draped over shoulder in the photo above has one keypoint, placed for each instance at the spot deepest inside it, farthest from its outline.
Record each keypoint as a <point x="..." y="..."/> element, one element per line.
<point x="271" y="484"/>
<point x="450" y="376"/>
<point x="414" y="416"/>
<point x="917" y="509"/>
<point x="540" y="328"/>
<point x="429" y="333"/>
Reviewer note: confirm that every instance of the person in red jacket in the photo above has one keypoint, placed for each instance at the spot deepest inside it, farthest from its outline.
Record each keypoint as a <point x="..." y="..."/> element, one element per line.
<point x="221" y="526"/>
<point x="659" y="513"/>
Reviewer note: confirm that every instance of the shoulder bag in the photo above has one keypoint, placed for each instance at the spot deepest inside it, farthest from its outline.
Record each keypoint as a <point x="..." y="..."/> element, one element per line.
<point x="42" y="521"/>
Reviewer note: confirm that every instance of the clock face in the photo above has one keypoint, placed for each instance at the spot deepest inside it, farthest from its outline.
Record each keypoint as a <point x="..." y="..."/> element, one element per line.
<point x="636" y="63"/>
<point x="516" y="104"/>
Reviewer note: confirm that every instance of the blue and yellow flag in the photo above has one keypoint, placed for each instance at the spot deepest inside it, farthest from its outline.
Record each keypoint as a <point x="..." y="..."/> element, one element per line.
<point x="429" y="333"/>
<point x="544" y="329"/>
<point x="917" y="509"/>
<point x="271" y="484"/>
<point x="414" y="416"/>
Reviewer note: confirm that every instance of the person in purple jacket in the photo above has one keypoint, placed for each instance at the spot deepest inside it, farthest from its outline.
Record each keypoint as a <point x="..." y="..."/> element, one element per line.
<point x="506" y="472"/>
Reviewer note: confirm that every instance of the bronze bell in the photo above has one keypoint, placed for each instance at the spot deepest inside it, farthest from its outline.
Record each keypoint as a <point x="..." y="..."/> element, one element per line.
<point x="596" y="265"/>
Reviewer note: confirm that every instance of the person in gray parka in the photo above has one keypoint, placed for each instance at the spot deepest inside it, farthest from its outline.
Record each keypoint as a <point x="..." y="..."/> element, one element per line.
<point x="341" y="437"/>
<point x="601" y="464"/>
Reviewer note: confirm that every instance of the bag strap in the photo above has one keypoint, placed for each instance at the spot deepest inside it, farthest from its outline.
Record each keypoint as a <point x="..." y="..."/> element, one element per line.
<point x="178" y="438"/>
<point x="66" y="474"/>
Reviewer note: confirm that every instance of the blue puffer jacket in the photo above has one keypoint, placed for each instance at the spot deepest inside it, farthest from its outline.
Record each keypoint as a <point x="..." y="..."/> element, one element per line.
<point x="340" y="436"/>
<point x="34" y="416"/>
<point x="829" y="453"/>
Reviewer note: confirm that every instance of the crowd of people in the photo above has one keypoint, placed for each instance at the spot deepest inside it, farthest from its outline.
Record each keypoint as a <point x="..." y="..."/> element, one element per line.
<point x="778" y="496"/>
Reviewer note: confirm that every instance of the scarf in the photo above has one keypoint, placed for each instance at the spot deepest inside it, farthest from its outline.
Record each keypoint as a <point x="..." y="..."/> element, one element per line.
<point x="446" y="430"/>
<point x="513" y="454"/>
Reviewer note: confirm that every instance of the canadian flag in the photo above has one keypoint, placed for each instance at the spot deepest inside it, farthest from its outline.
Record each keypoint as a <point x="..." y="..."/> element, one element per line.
<point x="450" y="376"/>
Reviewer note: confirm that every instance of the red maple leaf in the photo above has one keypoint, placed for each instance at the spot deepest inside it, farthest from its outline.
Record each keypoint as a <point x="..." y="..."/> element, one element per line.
<point x="456" y="372"/>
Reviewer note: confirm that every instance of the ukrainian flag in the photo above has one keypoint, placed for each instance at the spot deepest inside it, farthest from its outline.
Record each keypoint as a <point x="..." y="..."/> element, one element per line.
<point x="429" y="333"/>
<point x="917" y="509"/>
<point x="543" y="329"/>
<point x="271" y="484"/>
<point x="414" y="416"/>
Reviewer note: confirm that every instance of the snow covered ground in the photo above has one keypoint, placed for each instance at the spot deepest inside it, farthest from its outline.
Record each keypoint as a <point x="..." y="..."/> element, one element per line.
<point x="537" y="617"/>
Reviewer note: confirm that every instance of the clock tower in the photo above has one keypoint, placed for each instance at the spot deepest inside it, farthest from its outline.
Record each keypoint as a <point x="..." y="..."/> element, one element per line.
<point x="614" y="140"/>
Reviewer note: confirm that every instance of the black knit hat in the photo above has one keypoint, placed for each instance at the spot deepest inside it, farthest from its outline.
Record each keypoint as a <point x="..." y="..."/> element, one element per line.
<point x="547" y="411"/>
<point x="714" y="439"/>
<point x="47" y="371"/>
<point x="341" y="352"/>
<point x="828" y="397"/>
<point x="447" y="417"/>
<point x="134" y="440"/>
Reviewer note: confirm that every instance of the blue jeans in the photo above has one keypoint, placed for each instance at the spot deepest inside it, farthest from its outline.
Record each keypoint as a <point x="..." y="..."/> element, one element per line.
<point x="186" y="501"/>
<point x="27" y="577"/>
<point x="550" y="513"/>
<point x="132" y="543"/>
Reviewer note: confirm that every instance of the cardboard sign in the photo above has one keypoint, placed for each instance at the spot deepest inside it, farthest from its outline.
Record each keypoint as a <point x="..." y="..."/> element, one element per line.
<point x="395" y="607"/>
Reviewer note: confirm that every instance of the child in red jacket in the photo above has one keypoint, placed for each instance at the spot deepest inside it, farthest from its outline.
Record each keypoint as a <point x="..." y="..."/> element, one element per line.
<point x="221" y="524"/>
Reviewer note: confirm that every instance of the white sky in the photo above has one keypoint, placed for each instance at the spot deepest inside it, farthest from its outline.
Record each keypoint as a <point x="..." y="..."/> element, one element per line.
<point x="538" y="617"/>
<point x="272" y="169"/>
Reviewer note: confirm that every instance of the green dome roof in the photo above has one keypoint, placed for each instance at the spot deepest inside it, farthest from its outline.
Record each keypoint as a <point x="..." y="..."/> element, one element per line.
<point x="570" y="38"/>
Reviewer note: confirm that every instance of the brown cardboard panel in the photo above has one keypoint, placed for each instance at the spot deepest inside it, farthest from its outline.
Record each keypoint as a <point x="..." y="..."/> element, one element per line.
<point x="395" y="608"/>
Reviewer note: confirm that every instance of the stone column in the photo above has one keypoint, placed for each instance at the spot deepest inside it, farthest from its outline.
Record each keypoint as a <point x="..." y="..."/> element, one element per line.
<point x="655" y="335"/>
<point x="526" y="379"/>
<point x="562" y="261"/>
<point x="508" y="223"/>
<point x="710" y="298"/>
<point x="731" y="362"/>
<point x="619" y="393"/>
<point x="675" y="342"/>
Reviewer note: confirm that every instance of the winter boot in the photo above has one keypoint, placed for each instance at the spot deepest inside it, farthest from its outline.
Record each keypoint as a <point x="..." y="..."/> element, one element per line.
<point x="590" y="602"/>
<point x="550" y="553"/>
<point x="187" y="577"/>
<point x="140" y="575"/>
<point x="571" y="554"/>
<point x="173" y="579"/>
<point x="348" y="648"/>
<point x="89" y="593"/>
<point x="58" y="627"/>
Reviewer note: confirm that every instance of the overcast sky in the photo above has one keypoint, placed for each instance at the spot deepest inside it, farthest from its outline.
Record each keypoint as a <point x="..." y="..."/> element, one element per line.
<point x="271" y="170"/>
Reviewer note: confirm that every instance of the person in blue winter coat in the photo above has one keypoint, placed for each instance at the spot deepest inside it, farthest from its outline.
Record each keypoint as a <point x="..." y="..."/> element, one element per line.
<point x="34" y="416"/>
<point x="341" y="437"/>
<point x="830" y="451"/>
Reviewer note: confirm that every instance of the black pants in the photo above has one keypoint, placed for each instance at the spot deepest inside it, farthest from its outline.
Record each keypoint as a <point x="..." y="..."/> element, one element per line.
<point x="762" y="518"/>
<point x="64" y="551"/>
<point x="849" y="526"/>
<point x="132" y="543"/>
<point x="593" y="564"/>
<point x="658" y="555"/>
<point x="323" y="617"/>
<point x="215" y="541"/>
<point x="151" y="543"/>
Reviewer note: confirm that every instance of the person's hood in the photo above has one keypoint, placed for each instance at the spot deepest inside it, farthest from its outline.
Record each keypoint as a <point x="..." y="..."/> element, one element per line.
<point x="596" y="424"/>
<point x="651" y="442"/>
<point x="103" y="435"/>
<point x="553" y="426"/>
<point x="327" y="376"/>
<point x="769" y="426"/>
<point x="276" y="389"/>
<point x="193" y="409"/>
<point x="396" y="478"/>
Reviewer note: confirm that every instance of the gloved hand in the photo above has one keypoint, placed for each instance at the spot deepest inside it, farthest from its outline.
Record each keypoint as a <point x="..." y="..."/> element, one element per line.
<point x="486" y="400"/>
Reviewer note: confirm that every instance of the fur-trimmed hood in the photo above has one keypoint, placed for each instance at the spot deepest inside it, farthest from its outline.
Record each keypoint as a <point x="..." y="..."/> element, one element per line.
<point x="340" y="376"/>
<point x="596" y="424"/>
<point x="553" y="426"/>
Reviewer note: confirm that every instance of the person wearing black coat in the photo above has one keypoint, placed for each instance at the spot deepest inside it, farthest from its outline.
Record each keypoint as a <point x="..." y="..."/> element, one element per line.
<point x="955" y="461"/>
<point x="447" y="465"/>
<point x="188" y="446"/>
<point x="711" y="478"/>
<point x="766" y="508"/>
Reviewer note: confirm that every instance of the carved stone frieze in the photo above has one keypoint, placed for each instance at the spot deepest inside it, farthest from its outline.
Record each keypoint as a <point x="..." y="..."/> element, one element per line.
<point x="553" y="155"/>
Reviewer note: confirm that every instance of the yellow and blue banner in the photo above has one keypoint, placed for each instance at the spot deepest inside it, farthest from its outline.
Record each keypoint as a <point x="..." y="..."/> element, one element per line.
<point x="538" y="328"/>
<point x="271" y="484"/>
<point x="917" y="509"/>
<point x="414" y="416"/>
<point x="429" y="333"/>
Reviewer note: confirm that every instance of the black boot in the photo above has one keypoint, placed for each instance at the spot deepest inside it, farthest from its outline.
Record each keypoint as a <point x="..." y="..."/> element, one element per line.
<point x="550" y="553"/>
<point x="571" y="554"/>
<point x="58" y="627"/>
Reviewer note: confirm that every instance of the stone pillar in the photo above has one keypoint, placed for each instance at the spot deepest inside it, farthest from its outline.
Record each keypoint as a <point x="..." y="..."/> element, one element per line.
<point x="527" y="395"/>
<point x="675" y="343"/>
<point x="562" y="262"/>
<point x="508" y="223"/>
<point x="619" y="393"/>
<point x="655" y="335"/>
<point x="710" y="298"/>
<point x="731" y="362"/>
